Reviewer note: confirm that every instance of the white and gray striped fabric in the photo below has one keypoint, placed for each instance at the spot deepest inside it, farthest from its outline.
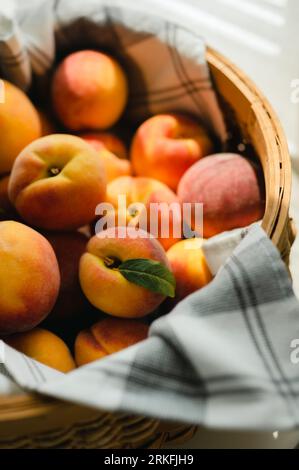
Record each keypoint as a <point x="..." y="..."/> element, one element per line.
<point x="226" y="356"/>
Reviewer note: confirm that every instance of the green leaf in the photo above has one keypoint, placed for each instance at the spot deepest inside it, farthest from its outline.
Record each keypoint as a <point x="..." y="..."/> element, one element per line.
<point x="150" y="274"/>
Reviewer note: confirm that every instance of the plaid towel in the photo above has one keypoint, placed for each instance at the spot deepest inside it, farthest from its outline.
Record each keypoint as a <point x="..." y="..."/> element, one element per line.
<point x="225" y="357"/>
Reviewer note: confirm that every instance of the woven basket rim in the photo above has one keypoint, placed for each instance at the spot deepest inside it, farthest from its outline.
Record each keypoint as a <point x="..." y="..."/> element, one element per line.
<point x="12" y="407"/>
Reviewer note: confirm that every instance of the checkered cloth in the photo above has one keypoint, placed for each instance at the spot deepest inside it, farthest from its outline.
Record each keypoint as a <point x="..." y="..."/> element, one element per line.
<point x="226" y="356"/>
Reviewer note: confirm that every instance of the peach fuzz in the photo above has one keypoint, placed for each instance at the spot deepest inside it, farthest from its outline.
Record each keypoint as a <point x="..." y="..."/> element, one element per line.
<point x="89" y="91"/>
<point x="228" y="186"/>
<point x="106" y="337"/>
<point x="19" y="125"/>
<point x="166" y="145"/>
<point x="68" y="248"/>
<point x="57" y="182"/>
<point x="109" y="148"/>
<point x="44" y="347"/>
<point x="104" y="286"/>
<point x="189" y="267"/>
<point x="146" y="191"/>
<point x="29" y="278"/>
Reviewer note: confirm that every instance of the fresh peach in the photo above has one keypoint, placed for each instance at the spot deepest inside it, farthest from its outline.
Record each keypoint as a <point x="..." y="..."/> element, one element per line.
<point x="188" y="264"/>
<point x="106" y="337"/>
<point x="107" y="145"/>
<point x="229" y="187"/>
<point x="57" y="182"/>
<point x="156" y="199"/>
<point x="104" y="285"/>
<point x="19" y="125"/>
<point x="166" y="145"/>
<point x="29" y="278"/>
<point x="68" y="248"/>
<point x="89" y="91"/>
<point x="107" y="140"/>
<point x="44" y="347"/>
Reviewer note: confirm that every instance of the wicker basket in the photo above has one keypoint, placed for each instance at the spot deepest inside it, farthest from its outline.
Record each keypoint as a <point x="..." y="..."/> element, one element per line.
<point x="29" y="421"/>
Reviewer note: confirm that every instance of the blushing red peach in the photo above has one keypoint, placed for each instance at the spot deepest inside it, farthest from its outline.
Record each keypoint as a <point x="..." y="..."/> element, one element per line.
<point x="107" y="145"/>
<point x="166" y="145"/>
<point x="57" y="182"/>
<point x="104" y="285"/>
<point x="19" y="125"/>
<point x="189" y="266"/>
<point x="29" y="278"/>
<point x="230" y="188"/>
<point x="89" y="91"/>
<point x="106" y="337"/>
<point x="44" y="347"/>
<point x="162" y="222"/>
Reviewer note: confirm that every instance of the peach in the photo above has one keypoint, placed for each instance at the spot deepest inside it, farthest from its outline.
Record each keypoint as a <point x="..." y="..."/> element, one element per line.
<point x="188" y="264"/>
<point x="57" y="182"/>
<point x="147" y="191"/>
<point x="68" y="248"/>
<point x="29" y="278"/>
<point x="108" y="140"/>
<point x="229" y="187"/>
<point x="89" y="91"/>
<point x="107" y="145"/>
<point x="106" y="337"/>
<point x="104" y="285"/>
<point x="44" y="347"/>
<point x="166" y="145"/>
<point x="7" y="210"/>
<point x="19" y="125"/>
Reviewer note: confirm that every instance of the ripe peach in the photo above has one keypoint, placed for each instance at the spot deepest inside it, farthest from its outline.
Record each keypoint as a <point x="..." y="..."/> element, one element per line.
<point x="108" y="140"/>
<point x="107" y="145"/>
<point x="44" y="347"/>
<point x="19" y="125"/>
<point x="106" y="337"/>
<point x="68" y="248"/>
<point x="57" y="182"/>
<point x="228" y="187"/>
<point x="147" y="191"/>
<point x="166" y="145"/>
<point x="189" y="267"/>
<point x="89" y="91"/>
<point x="29" y="278"/>
<point x="104" y="286"/>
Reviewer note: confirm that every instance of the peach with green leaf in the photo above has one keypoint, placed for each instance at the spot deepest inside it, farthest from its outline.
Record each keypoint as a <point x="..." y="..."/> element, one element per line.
<point x="125" y="272"/>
